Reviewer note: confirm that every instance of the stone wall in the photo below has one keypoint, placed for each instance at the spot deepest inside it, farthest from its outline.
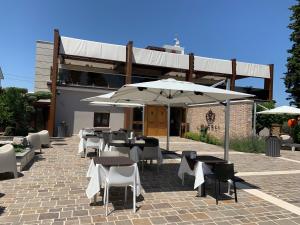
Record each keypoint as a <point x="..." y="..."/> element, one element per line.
<point x="241" y="114"/>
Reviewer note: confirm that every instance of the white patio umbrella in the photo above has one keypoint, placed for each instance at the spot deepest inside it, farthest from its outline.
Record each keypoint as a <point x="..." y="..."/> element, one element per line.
<point x="282" y="110"/>
<point x="101" y="103"/>
<point x="171" y="92"/>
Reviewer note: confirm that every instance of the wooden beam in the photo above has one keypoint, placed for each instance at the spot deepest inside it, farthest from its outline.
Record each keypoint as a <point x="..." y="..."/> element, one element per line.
<point x="129" y="57"/>
<point x="268" y="82"/>
<point x="233" y="75"/>
<point x="128" y="72"/>
<point x="51" y="124"/>
<point x="189" y="73"/>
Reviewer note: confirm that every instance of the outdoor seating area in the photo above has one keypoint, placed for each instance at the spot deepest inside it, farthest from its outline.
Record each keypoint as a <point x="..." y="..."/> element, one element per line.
<point x="160" y="197"/>
<point x="106" y="124"/>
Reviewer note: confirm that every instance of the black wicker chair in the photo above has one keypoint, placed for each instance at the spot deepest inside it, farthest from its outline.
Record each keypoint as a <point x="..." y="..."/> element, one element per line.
<point x="222" y="173"/>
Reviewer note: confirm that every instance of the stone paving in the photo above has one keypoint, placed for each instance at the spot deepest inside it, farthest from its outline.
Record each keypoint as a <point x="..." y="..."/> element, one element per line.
<point x="52" y="191"/>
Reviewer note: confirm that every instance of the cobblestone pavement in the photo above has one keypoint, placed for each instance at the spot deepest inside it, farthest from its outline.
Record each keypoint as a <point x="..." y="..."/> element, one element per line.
<point x="52" y="191"/>
<point x="273" y="185"/>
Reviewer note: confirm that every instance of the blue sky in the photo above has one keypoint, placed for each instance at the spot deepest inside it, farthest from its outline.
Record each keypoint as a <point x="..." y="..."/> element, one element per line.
<point x="252" y="31"/>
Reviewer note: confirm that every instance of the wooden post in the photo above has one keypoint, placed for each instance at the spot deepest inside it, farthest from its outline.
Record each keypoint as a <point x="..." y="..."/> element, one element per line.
<point x="268" y="83"/>
<point x="128" y="73"/>
<point x="233" y="75"/>
<point x="51" y="124"/>
<point x="189" y="73"/>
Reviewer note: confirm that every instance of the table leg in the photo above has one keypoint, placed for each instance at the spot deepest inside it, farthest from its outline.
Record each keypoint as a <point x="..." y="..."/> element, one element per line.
<point x="201" y="191"/>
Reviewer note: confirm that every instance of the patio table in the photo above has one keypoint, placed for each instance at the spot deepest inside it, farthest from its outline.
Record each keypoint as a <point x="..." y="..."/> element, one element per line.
<point x="198" y="167"/>
<point x="97" y="175"/>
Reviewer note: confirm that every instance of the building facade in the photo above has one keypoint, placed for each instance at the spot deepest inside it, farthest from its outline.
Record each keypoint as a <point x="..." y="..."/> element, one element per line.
<point x="74" y="69"/>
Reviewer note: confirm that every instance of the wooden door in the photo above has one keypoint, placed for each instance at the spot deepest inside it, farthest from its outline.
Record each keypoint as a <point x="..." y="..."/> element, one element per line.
<point x="155" y="121"/>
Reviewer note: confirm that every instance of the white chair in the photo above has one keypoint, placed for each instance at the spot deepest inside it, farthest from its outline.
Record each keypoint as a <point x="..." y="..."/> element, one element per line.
<point x="109" y="153"/>
<point x="8" y="162"/>
<point x="34" y="141"/>
<point x="45" y="138"/>
<point x="122" y="176"/>
<point x="92" y="142"/>
<point x="150" y="153"/>
<point x="123" y="151"/>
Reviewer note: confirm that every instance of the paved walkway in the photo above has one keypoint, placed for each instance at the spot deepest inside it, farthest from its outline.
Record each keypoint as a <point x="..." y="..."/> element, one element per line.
<point x="52" y="191"/>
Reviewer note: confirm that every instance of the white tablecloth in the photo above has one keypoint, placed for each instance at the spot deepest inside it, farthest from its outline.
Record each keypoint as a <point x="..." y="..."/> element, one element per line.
<point x="200" y="169"/>
<point x="81" y="146"/>
<point x="97" y="177"/>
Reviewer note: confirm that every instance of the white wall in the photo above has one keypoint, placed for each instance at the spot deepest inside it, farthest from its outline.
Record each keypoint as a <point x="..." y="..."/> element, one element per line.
<point x="79" y="114"/>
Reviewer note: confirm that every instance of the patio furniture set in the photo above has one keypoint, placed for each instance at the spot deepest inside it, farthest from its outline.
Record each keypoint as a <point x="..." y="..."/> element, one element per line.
<point x="117" y="158"/>
<point x="10" y="161"/>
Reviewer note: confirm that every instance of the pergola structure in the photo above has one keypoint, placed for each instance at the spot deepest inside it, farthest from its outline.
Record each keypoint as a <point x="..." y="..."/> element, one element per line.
<point x="128" y="60"/>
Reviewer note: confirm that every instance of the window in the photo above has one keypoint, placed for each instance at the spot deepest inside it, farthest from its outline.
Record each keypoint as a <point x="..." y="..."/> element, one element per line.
<point x="101" y="119"/>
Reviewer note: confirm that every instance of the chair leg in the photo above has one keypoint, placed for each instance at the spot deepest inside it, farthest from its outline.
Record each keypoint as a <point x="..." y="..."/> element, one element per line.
<point x="182" y="181"/>
<point x="107" y="199"/>
<point x="235" y="194"/>
<point x="216" y="192"/>
<point x="134" y="198"/>
<point x="125" y="194"/>
<point x="219" y="191"/>
<point x="104" y="195"/>
<point x="229" y="186"/>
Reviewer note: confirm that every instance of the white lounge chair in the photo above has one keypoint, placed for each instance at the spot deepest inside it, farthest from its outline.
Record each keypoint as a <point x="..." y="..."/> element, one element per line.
<point x="44" y="138"/>
<point x="8" y="162"/>
<point x="34" y="141"/>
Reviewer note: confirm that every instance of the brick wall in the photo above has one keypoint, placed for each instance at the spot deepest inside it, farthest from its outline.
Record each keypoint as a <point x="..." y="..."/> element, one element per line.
<point x="240" y="119"/>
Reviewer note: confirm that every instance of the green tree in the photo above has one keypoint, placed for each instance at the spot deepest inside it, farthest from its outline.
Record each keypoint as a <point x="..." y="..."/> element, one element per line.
<point x="267" y="120"/>
<point x="17" y="108"/>
<point x="292" y="76"/>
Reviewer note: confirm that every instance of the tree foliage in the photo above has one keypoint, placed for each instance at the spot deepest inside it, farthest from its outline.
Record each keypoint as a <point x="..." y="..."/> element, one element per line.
<point x="292" y="76"/>
<point x="267" y="120"/>
<point x="17" y="108"/>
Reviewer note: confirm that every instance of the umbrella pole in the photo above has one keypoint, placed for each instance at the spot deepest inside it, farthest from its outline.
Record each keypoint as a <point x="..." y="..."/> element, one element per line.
<point x="168" y="127"/>
<point x="227" y="121"/>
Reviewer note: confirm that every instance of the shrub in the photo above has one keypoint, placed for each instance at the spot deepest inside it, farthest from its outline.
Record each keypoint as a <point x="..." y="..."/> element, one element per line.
<point x="248" y="144"/>
<point x="9" y="131"/>
<point x="296" y="134"/>
<point x="203" y="137"/>
<point x="19" y="148"/>
<point x="192" y="136"/>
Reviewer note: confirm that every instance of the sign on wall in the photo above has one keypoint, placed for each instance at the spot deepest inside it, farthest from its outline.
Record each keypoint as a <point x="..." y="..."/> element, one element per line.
<point x="210" y="117"/>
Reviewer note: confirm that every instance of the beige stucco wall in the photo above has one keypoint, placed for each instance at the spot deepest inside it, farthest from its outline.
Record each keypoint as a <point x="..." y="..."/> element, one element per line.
<point x="79" y="114"/>
<point x="240" y="118"/>
<point x="43" y="63"/>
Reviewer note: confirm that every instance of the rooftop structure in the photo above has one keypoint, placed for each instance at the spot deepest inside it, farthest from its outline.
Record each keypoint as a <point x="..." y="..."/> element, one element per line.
<point x="82" y="68"/>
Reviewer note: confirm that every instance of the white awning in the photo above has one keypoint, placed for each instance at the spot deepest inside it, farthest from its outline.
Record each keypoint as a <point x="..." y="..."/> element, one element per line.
<point x="98" y="50"/>
<point x="92" y="49"/>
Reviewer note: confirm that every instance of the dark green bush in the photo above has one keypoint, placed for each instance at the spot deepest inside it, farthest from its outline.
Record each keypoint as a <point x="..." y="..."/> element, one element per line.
<point x="203" y="137"/>
<point x="9" y="131"/>
<point x="192" y="136"/>
<point x="296" y="134"/>
<point x="248" y="144"/>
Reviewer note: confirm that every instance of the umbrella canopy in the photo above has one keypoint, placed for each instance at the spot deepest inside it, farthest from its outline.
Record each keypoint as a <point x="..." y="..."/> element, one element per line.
<point x="282" y="110"/>
<point x="171" y="91"/>
<point x="116" y="104"/>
